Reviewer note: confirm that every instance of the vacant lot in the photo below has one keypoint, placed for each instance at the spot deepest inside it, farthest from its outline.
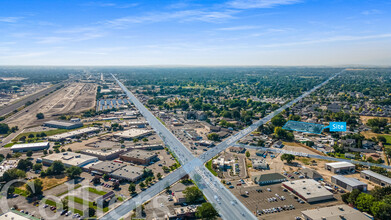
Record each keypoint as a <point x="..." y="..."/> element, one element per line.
<point x="72" y="99"/>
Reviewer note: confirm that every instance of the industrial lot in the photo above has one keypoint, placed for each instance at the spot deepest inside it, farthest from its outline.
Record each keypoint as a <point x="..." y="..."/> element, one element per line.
<point x="122" y="155"/>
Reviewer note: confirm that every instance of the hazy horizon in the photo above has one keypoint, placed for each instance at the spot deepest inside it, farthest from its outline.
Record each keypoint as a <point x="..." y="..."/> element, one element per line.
<point x="194" y="33"/>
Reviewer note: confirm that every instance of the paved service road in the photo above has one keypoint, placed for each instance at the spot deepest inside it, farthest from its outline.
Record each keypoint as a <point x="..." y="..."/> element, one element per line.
<point x="222" y="199"/>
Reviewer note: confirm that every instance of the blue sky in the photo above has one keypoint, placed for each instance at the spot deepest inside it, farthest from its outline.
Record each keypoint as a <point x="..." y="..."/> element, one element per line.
<point x="231" y="32"/>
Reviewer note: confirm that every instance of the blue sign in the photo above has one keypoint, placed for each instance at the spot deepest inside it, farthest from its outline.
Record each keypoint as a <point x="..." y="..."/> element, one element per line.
<point x="337" y="126"/>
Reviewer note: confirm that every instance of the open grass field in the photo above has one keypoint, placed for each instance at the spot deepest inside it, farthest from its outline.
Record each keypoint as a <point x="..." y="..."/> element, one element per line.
<point x="370" y="134"/>
<point x="48" y="133"/>
<point x="96" y="191"/>
<point x="84" y="202"/>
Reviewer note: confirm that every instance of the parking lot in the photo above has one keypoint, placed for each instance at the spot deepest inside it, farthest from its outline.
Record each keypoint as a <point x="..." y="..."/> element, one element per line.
<point x="273" y="202"/>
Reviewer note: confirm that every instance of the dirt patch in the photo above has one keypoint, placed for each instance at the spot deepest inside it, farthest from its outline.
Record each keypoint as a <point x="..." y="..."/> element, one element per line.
<point x="365" y="119"/>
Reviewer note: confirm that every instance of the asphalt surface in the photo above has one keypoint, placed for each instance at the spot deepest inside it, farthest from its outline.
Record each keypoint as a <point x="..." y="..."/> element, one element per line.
<point x="274" y="150"/>
<point x="210" y="187"/>
<point x="223" y="200"/>
<point x="10" y="108"/>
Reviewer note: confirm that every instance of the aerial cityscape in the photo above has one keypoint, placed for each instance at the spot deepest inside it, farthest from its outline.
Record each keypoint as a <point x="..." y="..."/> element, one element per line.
<point x="253" y="109"/>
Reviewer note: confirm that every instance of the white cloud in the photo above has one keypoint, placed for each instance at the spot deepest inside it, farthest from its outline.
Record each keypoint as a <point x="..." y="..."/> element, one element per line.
<point x="110" y="4"/>
<point x="371" y="12"/>
<point x="248" y="4"/>
<point x="10" y="19"/>
<point x="184" y="15"/>
<point x="239" y="28"/>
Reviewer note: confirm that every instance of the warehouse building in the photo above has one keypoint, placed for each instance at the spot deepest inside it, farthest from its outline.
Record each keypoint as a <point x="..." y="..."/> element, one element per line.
<point x="63" y="124"/>
<point x="69" y="159"/>
<point x="133" y="134"/>
<point x="106" y="167"/>
<point x="269" y="178"/>
<point x="344" y="212"/>
<point x="376" y="178"/>
<point x="30" y="146"/>
<point x="311" y="174"/>
<point x="129" y="173"/>
<point x="73" y="134"/>
<point x="349" y="183"/>
<point x="309" y="190"/>
<point x="104" y="154"/>
<point x="139" y="157"/>
<point x="341" y="167"/>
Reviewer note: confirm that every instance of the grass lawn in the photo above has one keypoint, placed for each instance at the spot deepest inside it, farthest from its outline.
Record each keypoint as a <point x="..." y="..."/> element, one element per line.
<point x="209" y="166"/>
<point x="9" y="145"/>
<point x="96" y="191"/>
<point x="387" y="137"/>
<point x="84" y="202"/>
<point x="21" y="192"/>
<point x="48" y="133"/>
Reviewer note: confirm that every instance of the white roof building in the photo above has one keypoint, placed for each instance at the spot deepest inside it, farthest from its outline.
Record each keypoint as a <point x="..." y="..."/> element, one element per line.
<point x="309" y="190"/>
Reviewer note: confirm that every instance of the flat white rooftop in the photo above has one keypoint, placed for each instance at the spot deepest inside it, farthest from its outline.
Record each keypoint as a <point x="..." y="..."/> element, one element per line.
<point x="337" y="165"/>
<point x="309" y="189"/>
<point x="335" y="213"/>
<point x="133" y="133"/>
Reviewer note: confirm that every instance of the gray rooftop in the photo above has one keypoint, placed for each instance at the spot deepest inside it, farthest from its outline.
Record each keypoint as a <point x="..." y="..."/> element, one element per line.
<point x="349" y="181"/>
<point x="108" y="166"/>
<point x="129" y="172"/>
<point x="378" y="176"/>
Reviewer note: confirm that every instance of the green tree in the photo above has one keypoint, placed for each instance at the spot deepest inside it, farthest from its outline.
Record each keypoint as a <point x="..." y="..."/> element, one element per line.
<point x="24" y="164"/>
<point x="40" y="116"/>
<point x="247" y="153"/>
<point x="105" y="177"/>
<point x="353" y="196"/>
<point x="213" y="137"/>
<point x="4" y="129"/>
<point x="288" y="157"/>
<point x="206" y="211"/>
<point x="34" y="188"/>
<point x="278" y="121"/>
<point x="364" y="202"/>
<point x="57" y="167"/>
<point x="132" y="188"/>
<point x="12" y="174"/>
<point x="381" y="210"/>
<point x="192" y="194"/>
<point x="37" y="166"/>
<point x="73" y="172"/>
<point x="159" y="176"/>
<point x="91" y="212"/>
<point x="29" y="153"/>
<point x="382" y="139"/>
<point x="142" y="184"/>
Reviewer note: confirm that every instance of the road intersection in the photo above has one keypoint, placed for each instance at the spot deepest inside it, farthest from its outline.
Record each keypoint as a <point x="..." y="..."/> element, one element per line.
<point x="223" y="200"/>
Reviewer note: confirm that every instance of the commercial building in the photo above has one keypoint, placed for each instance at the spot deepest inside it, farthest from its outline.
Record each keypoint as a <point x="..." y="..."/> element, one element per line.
<point x="104" y="154"/>
<point x="376" y="178"/>
<point x="311" y="174"/>
<point x="69" y="159"/>
<point x="133" y="134"/>
<point x="222" y="163"/>
<point x="30" y="146"/>
<point x="15" y="215"/>
<point x="129" y="173"/>
<point x="269" y="178"/>
<point x="63" y="124"/>
<point x="192" y="134"/>
<point x="341" y="167"/>
<point x="138" y="157"/>
<point x="73" y="134"/>
<point x="309" y="190"/>
<point x="349" y="183"/>
<point x="260" y="164"/>
<point x="336" y="212"/>
<point x="106" y="167"/>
